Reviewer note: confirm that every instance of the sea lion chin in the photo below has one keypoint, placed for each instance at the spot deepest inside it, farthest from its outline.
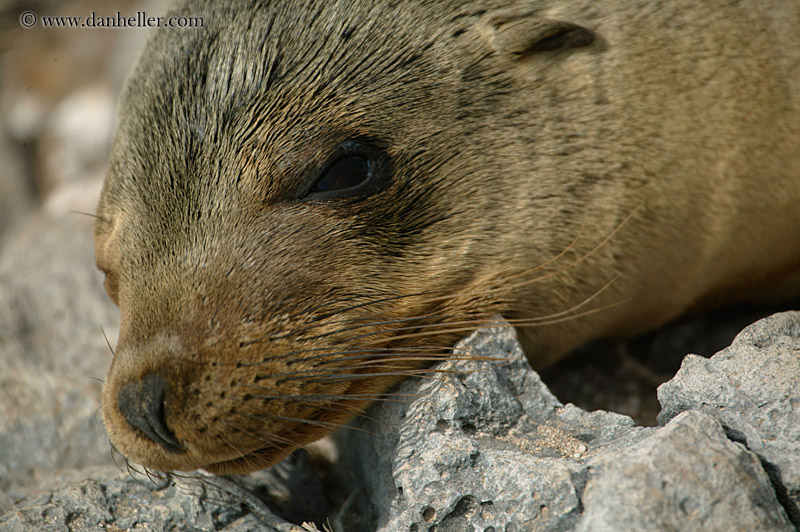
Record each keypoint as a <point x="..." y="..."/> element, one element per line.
<point x="307" y="203"/>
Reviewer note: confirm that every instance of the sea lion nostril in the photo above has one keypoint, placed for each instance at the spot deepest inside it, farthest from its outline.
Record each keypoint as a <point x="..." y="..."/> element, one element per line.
<point x="142" y="404"/>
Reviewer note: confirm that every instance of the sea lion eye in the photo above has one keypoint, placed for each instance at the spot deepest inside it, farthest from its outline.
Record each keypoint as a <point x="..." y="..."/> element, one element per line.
<point x="355" y="170"/>
<point x="347" y="174"/>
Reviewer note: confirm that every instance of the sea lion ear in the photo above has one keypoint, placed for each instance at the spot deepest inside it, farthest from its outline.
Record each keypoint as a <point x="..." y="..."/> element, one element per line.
<point x="521" y="33"/>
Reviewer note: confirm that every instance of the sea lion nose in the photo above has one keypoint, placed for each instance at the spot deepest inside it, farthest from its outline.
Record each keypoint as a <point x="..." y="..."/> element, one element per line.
<point x="142" y="404"/>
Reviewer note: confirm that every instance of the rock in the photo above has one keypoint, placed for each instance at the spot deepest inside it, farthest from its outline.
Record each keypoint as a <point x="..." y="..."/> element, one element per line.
<point x="109" y="500"/>
<point x="490" y="448"/>
<point x="687" y="476"/>
<point x="621" y="375"/>
<point x="53" y="353"/>
<point x="753" y="389"/>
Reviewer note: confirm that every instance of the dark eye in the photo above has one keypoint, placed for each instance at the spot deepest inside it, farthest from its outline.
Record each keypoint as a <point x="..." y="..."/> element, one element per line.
<point x="355" y="170"/>
<point x="349" y="172"/>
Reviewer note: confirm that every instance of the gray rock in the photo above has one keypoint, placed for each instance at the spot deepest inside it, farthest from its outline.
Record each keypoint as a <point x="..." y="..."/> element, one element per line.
<point x="753" y="389"/>
<point x="106" y="499"/>
<point x="687" y="476"/>
<point x="53" y="355"/>
<point x="116" y="501"/>
<point x="490" y="448"/>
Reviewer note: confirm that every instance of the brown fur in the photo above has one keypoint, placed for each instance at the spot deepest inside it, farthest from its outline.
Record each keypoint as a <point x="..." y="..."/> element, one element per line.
<point x="530" y="167"/>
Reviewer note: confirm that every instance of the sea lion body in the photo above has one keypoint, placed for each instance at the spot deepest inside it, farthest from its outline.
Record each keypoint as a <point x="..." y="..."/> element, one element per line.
<point x="591" y="168"/>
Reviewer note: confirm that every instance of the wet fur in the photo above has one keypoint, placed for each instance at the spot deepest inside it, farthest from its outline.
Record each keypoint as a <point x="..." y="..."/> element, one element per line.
<point x="671" y="138"/>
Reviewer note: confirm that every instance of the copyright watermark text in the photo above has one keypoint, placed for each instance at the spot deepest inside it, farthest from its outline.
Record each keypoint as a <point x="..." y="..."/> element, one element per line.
<point x="29" y="19"/>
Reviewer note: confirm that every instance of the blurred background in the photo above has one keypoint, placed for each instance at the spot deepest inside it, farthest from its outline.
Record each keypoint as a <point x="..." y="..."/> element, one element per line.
<point x="58" y="93"/>
<point x="58" y="88"/>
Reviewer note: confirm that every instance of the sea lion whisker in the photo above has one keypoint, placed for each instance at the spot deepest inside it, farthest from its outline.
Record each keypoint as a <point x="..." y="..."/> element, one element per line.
<point x="570" y="311"/>
<point x="439" y="328"/>
<point x="580" y="259"/>
<point x="162" y="476"/>
<point x="258" y="507"/>
<point x="288" y="354"/>
<point x="332" y="396"/>
<point x="437" y="314"/>
<point x="529" y="322"/>
<point x="107" y="342"/>
<point x="313" y="422"/>
<point x="96" y="217"/>
<point x="329" y="396"/>
<point x="363" y="415"/>
<point x="372" y="323"/>
<point x="374" y="302"/>
<point x="449" y="296"/>
<point x="362" y="362"/>
<point x="386" y="364"/>
<point x="311" y="311"/>
<point x="375" y="355"/>
<point x="336" y="377"/>
<point x="184" y="475"/>
<point x="130" y="468"/>
<point x="293" y="354"/>
<point x="272" y="440"/>
<point x="114" y="453"/>
<point x="275" y="440"/>
<point x="372" y="363"/>
<point x="437" y="298"/>
<point x="278" y="378"/>
<point x="505" y="286"/>
<point x="422" y="373"/>
<point x="266" y="441"/>
<point x="504" y="280"/>
<point x="521" y="322"/>
<point x="320" y="318"/>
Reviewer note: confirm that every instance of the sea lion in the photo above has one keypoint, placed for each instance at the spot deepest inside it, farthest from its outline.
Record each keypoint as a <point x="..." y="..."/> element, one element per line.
<point x="307" y="202"/>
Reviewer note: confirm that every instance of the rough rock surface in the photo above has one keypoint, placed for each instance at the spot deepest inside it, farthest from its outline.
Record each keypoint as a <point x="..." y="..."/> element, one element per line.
<point x="494" y="450"/>
<point x="107" y="499"/>
<point x="753" y="389"/>
<point x="621" y="375"/>
<point x="53" y="356"/>
<point x="115" y="501"/>
<point x="687" y="476"/>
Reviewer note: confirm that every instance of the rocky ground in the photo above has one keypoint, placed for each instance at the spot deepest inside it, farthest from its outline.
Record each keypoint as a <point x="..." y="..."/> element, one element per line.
<point x="493" y="448"/>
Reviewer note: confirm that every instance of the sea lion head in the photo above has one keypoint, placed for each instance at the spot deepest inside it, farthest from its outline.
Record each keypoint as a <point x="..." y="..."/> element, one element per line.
<point x="288" y="224"/>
